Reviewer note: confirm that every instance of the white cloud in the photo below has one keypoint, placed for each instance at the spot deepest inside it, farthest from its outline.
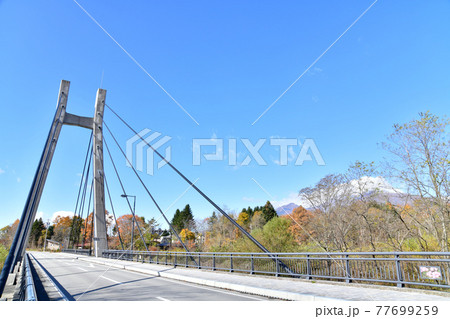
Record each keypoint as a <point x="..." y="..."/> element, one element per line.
<point x="62" y="214"/>
<point x="2" y="171"/>
<point x="19" y="179"/>
<point x="248" y="199"/>
<point x="39" y="215"/>
<point x="315" y="70"/>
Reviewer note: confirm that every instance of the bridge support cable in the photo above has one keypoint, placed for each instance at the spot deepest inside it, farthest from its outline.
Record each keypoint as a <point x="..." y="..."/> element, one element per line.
<point x="83" y="202"/>
<point x="148" y="192"/>
<point x="114" y="213"/>
<point x="247" y="234"/>
<point x="83" y="241"/>
<point x="84" y="176"/>
<point x="20" y="238"/>
<point x="124" y="191"/>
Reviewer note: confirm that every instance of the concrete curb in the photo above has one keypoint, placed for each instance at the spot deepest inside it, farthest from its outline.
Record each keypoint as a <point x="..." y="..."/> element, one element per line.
<point x="271" y="293"/>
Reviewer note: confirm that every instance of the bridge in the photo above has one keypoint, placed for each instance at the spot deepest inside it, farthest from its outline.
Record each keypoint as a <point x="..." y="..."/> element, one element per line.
<point x="104" y="274"/>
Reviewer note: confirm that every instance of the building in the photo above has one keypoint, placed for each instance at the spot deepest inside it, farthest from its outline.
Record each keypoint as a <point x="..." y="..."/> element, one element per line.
<point x="53" y="245"/>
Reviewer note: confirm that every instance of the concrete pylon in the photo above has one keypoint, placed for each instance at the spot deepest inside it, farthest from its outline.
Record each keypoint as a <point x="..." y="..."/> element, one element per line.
<point x="100" y="239"/>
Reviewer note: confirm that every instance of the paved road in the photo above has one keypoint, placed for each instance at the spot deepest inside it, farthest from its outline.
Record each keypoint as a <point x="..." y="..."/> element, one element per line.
<point x="88" y="281"/>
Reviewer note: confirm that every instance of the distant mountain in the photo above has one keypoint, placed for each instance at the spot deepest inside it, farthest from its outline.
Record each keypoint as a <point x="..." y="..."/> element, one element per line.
<point x="286" y="209"/>
<point x="378" y="186"/>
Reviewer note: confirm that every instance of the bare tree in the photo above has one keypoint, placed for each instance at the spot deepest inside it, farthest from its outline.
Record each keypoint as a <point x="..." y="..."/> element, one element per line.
<point x="331" y="199"/>
<point x="420" y="162"/>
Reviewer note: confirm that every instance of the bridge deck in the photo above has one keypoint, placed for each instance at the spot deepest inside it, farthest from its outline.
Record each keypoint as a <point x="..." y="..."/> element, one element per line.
<point x="90" y="278"/>
<point x="283" y="288"/>
<point x="85" y="280"/>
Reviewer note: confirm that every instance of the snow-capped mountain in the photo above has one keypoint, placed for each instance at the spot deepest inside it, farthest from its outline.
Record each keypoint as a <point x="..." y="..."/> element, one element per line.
<point x="286" y="209"/>
<point x="377" y="186"/>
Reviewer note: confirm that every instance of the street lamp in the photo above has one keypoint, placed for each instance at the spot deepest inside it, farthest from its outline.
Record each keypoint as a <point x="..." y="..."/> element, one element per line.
<point x="46" y="230"/>
<point x="132" y="220"/>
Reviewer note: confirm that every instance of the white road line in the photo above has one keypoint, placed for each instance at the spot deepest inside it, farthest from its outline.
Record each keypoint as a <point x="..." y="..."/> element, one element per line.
<point x="162" y="299"/>
<point x="218" y="290"/>
<point x="117" y="282"/>
<point x="82" y="269"/>
<point x="242" y="295"/>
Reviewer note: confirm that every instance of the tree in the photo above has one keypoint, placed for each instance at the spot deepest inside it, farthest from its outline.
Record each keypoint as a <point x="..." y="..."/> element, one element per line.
<point x="36" y="232"/>
<point x="62" y="225"/>
<point x="7" y="234"/>
<point x="125" y="224"/>
<point x="183" y="219"/>
<point x="420" y="162"/>
<point x="277" y="237"/>
<point x="300" y="226"/>
<point x="269" y="212"/>
<point x="3" y="255"/>
<point x="257" y="220"/>
<point x="330" y="200"/>
<point x="243" y="220"/>
<point x="187" y="235"/>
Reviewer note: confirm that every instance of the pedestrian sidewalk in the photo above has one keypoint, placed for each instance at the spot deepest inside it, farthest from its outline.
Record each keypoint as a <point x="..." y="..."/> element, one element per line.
<point x="282" y="288"/>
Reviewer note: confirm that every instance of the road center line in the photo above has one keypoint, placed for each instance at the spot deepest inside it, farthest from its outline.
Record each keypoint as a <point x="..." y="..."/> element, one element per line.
<point x="117" y="282"/>
<point x="162" y="299"/>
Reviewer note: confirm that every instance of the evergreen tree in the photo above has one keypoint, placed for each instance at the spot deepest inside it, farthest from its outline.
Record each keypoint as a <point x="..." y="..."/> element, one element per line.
<point x="177" y="222"/>
<point x="183" y="219"/>
<point x="269" y="212"/>
<point x="36" y="231"/>
<point x="250" y="211"/>
<point x="212" y="220"/>
<point x="188" y="217"/>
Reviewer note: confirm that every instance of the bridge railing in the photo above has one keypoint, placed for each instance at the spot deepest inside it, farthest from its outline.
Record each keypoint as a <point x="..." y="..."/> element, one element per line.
<point x="426" y="269"/>
<point x="86" y="252"/>
<point x="27" y="288"/>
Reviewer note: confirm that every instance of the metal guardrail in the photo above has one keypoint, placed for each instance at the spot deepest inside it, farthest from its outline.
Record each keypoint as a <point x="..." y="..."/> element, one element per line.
<point x="86" y="252"/>
<point x="28" y="282"/>
<point x="427" y="269"/>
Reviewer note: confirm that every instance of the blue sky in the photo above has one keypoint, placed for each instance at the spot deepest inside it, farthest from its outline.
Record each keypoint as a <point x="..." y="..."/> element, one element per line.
<point x="225" y="62"/>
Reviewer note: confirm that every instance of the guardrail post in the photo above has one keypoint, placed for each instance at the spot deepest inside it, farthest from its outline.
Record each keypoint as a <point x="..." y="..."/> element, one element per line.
<point x="157" y="258"/>
<point x="253" y="265"/>
<point x="186" y="261"/>
<point x="214" y="262"/>
<point x="231" y="262"/>
<point x="278" y="266"/>
<point x="308" y="267"/>
<point x="398" y="266"/>
<point x="199" y="266"/>
<point x="348" y="270"/>
<point x="166" y="257"/>
<point x="175" y="261"/>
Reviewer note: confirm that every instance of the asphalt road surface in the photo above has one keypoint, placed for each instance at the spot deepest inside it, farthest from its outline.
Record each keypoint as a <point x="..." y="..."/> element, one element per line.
<point x="84" y="281"/>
